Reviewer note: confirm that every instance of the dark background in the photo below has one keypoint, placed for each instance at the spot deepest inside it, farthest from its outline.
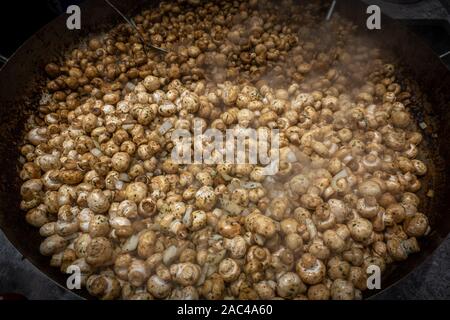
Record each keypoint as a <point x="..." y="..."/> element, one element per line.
<point x="20" y="19"/>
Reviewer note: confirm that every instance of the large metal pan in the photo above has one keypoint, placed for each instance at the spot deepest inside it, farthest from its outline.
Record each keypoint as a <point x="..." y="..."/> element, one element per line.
<point x="19" y="93"/>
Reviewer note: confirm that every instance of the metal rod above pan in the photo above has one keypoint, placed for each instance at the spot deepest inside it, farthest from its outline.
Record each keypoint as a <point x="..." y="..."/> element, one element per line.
<point x="3" y="59"/>
<point x="133" y="25"/>
<point x="330" y="10"/>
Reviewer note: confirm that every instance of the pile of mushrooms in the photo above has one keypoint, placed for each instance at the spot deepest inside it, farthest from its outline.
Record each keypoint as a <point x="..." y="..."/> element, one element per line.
<point x="101" y="186"/>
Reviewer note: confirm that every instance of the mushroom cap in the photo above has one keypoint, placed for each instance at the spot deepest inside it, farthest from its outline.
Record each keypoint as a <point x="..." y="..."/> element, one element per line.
<point x="157" y="287"/>
<point x="99" y="251"/>
<point x="369" y="188"/>
<point x="310" y="269"/>
<point x="360" y="229"/>
<point x="318" y="292"/>
<point x="342" y="290"/>
<point x="289" y="285"/>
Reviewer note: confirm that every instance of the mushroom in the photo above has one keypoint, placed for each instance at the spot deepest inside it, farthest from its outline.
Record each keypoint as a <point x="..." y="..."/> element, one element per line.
<point x="260" y="224"/>
<point x="205" y="198"/>
<point x="237" y="247"/>
<point x="310" y="269"/>
<point x="97" y="201"/>
<point x="99" y="252"/>
<point x="333" y="241"/>
<point x="186" y="273"/>
<point x="360" y="229"/>
<point x="158" y="287"/>
<point x="136" y="191"/>
<point x="53" y="244"/>
<point x="265" y="289"/>
<point x="229" y="270"/>
<point x="318" y="292"/>
<point x="37" y="217"/>
<point x="138" y="272"/>
<point x="400" y="249"/>
<point x="342" y="290"/>
<point x="229" y="226"/>
<point x="417" y="225"/>
<point x="146" y="243"/>
<point x="289" y="285"/>
<point x="103" y="287"/>
<point x="338" y="268"/>
<point x="213" y="288"/>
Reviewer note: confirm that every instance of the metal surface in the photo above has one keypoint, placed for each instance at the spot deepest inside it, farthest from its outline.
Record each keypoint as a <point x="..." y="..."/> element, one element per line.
<point x="23" y="74"/>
